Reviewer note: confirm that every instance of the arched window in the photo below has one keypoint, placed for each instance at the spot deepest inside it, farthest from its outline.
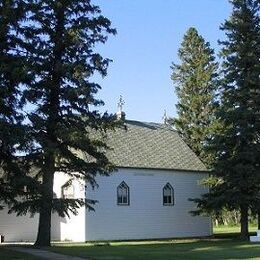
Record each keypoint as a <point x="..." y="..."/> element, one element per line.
<point x="123" y="194"/>
<point x="168" y="195"/>
<point x="67" y="191"/>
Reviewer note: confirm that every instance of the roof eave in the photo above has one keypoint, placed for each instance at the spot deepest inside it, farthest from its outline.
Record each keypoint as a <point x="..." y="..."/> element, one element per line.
<point x="166" y="169"/>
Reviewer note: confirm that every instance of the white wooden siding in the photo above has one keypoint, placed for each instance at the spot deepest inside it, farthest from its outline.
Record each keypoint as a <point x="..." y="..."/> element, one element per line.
<point x="146" y="217"/>
<point x="25" y="228"/>
<point x="69" y="228"/>
<point x="18" y="229"/>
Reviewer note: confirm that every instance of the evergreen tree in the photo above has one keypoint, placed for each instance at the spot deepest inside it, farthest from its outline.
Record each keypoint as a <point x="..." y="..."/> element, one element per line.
<point x="12" y="75"/>
<point x="196" y="81"/>
<point x="237" y="166"/>
<point x="59" y="38"/>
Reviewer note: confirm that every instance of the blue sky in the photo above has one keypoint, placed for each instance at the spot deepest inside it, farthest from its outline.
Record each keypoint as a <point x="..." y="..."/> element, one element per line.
<point x="148" y="38"/>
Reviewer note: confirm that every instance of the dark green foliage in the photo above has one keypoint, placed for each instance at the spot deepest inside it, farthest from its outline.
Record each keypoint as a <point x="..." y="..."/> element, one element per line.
<point x="195" y="79"/>
<point x="12" y="74"/>
<point x="62" y="35"/>
<point x="62" y="131"/>
<point x="237" y="147"/>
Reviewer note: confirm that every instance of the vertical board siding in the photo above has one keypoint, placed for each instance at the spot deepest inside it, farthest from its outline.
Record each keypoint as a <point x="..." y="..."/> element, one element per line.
<point x="146" y="217"/>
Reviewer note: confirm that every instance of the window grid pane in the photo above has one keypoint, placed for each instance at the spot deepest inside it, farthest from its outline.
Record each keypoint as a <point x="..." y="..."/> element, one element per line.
<point x="168" y="195"/>
<point x="123" y="194"/>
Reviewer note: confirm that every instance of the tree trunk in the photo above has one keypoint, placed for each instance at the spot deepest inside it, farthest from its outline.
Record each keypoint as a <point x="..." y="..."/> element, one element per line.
<point x="258" y="219"/>
<point x="44" y="226"/>
<point x="244" y="234"/>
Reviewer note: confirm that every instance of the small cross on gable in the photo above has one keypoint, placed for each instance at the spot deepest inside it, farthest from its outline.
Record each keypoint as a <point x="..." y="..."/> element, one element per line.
<point x="120" y="104"/>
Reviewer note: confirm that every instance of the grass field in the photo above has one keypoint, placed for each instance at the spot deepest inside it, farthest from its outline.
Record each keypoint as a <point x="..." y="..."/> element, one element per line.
<point x="175" y="249"/>
<point x="224" y="245"/>
<point x="231" y="229"/>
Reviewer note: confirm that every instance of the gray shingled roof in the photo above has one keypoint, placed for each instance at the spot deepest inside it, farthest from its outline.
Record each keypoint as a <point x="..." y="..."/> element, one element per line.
<point x="151" y="145"/>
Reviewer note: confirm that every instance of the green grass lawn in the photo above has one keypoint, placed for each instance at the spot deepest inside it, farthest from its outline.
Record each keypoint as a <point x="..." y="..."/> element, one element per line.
<point x="171" y="249"/>
<point x="231" y="229"/>
<point x="222" y="245"/>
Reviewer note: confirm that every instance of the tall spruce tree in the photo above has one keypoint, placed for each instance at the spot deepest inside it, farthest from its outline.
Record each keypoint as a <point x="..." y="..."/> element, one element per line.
<point x="237" y="165"/>
<point x="12" y="75"/>
<point x="195" y="79"/>
<point x="59" y="38"/>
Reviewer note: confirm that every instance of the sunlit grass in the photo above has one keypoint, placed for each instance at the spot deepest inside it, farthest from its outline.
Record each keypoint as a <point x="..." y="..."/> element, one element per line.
<point x="231" y="229"/>
<point x="204" y="248"/>
<point x="223" y="245"/>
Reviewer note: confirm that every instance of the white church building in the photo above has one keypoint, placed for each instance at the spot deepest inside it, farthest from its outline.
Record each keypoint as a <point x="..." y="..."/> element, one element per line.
<point x="146" y="198"/>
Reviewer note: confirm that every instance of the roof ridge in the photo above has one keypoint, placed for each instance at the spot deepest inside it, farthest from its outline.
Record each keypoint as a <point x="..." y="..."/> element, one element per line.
<point x="161" y="125"/>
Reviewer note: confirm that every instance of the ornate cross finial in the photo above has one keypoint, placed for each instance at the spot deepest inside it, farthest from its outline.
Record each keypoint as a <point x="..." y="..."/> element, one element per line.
<point x="120" y="104"/>
<point x="165" y="118"/>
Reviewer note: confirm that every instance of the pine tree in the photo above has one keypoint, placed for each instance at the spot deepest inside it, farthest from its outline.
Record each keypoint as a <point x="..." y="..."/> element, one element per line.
<point x="59" y="38"/>
<point x="237" y="148"/>
<point x="12" y="75"/>
<point x="195" y="79"/>
<point x="239" y="153"/>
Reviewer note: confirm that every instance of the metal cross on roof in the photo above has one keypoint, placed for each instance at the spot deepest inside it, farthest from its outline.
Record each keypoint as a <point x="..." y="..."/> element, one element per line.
<point x="165" y="118"/>
<point x="120" y="104"/>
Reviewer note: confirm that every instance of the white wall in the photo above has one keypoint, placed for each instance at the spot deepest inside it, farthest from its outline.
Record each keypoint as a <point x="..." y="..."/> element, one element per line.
<point x="25" y="228"/>
<point x="146" y="217"/>
<point x="70" y="228"/>
<point x="18" y="229"/>
<point x="73" y="228"/>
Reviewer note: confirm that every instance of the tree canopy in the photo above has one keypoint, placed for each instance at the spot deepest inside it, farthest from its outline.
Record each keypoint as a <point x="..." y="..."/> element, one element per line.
<point x="195" y="80"/>
<point x="237" y="146"/>
<point x="54" y="47"/>
<point x="13" y="138"/>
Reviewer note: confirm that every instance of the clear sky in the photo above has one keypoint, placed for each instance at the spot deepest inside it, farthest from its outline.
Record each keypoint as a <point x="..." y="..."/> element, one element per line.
<point x="148" y="38"/>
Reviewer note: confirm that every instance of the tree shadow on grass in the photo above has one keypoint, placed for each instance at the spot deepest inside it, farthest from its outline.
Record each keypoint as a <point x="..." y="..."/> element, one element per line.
<point x="176" y="249"/>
